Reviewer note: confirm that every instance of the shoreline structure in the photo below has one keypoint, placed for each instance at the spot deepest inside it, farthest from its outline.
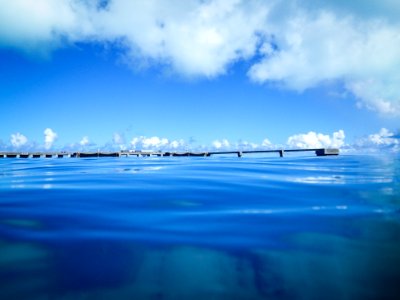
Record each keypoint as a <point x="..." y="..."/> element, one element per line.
<point x="61" y="154"/>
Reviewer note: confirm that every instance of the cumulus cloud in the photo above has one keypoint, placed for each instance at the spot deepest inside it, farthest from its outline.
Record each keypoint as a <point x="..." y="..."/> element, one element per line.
<point x="17" y="140"/>
<point x="296" y="44"/>
<point x="41" y="25"/>
<point x="316" y="140"/>
<point x="157" y="143"/>
<point x="146" y="143"/>
<point x="383" y="137"/>
<point x="193" y="37"/>
<point x="382" y="140"/>
<point x="311" y="49"/>
<point x="49" y="138"/>
<point x="221" y="144"/>
<point x="178" y="145"/>
<point x="225" y="144"/>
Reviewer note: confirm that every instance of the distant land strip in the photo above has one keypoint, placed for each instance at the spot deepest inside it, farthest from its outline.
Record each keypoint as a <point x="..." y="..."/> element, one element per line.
<point x="61" y="154"/>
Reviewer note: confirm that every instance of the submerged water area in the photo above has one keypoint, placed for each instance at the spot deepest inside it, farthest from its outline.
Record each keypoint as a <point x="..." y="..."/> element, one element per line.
<point x="200" y="228"/>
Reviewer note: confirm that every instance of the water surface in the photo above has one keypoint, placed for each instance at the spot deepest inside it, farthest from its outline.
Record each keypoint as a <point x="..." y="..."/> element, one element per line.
<point x="200" y="228"/>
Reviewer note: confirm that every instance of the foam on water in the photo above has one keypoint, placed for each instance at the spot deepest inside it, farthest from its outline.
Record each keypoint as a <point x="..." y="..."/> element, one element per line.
<point x="215" y="228"/>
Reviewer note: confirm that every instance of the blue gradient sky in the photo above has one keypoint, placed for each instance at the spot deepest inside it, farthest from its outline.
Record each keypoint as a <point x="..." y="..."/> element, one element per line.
<point x="87" y="88"/>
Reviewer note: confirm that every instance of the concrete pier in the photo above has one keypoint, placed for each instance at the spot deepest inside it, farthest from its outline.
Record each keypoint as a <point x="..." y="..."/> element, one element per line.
<point x="325" y="152"/>
<point x="280" y="152"/>
<point x="94" y="154"/>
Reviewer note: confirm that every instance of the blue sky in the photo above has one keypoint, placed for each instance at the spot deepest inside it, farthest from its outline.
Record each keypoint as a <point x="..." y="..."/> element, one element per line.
<point x="212" y="73"/>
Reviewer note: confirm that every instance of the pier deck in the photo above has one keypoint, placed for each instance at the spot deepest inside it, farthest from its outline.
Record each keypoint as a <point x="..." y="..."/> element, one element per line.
<point x="281" y="152"/>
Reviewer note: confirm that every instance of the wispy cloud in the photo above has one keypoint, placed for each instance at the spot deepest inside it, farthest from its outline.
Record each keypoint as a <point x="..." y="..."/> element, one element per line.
<point x="295" y="44"/>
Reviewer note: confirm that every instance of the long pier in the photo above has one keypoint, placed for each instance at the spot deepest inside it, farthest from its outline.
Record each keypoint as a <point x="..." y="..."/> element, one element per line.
<point x="281" y="152"/>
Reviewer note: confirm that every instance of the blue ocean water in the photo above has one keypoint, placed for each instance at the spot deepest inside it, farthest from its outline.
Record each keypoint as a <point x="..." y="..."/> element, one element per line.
<point x="200" y="228"/>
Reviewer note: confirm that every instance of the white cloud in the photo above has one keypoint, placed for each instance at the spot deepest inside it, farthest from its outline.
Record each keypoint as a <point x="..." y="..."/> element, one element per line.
<point x="194" y="37"/>
<point x="225" y="144"/>
<point x="388" y="9"/>
<point x="49" y="138"/>
<point x="381" y="140"/>
<point x="383" y="137"/>
<point x="266" y="143"/>
<point x="157" y="143"/>
<point x="84" y="141"/>
<point x="42" y="24"/>
<point x="18" y="140"/>
<point x="154" y="142"/>
<point x="119" y="141"/>
<point x="297" y="44"/>
<point x="221" y="144"/>
<point x="318" y="47"/>
<point x="178" y="144"/>
<point x="317" y="140"/>
<point x="245" y="145"/>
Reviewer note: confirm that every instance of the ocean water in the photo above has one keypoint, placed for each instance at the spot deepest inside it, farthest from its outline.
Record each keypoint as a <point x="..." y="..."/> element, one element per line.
<point x="200" y="228"/>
